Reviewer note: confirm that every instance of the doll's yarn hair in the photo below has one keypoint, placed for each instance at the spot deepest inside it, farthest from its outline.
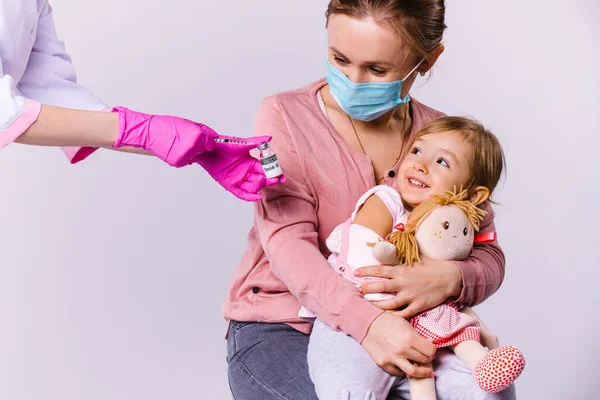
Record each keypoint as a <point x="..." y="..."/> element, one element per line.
<point x="405" y="241"/>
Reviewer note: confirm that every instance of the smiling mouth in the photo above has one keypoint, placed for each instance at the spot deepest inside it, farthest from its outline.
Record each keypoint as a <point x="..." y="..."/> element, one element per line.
<point x="416" y="183"/>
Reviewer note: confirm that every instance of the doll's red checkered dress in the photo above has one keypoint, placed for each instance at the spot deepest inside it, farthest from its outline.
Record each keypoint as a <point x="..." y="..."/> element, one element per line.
<point x="445" y="325"/>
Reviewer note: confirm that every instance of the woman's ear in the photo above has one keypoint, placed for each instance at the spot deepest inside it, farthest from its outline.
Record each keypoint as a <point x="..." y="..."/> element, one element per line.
<point x="479" y="195"/>
<point x="431" y="59"/>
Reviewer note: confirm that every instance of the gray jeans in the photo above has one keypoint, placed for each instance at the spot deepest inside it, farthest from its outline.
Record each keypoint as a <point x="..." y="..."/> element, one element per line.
<point x="269" y="361"/>
<point x="342" y="369"/>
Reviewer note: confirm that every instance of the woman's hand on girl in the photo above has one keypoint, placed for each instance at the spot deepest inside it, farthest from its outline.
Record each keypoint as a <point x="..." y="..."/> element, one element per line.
<point x="418" y="288"/>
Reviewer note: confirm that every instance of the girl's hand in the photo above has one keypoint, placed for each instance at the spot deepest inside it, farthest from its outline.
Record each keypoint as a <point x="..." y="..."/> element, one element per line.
<point x="393" y="344"/>
<point x="418" y="288"/>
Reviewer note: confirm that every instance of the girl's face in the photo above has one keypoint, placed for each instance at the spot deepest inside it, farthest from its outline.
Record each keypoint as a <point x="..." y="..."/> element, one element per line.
<point x="435" y="164"/>
<point x="366" y="51"/>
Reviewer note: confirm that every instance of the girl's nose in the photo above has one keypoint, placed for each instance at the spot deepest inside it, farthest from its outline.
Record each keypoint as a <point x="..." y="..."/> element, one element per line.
<point x="420" y="168"/>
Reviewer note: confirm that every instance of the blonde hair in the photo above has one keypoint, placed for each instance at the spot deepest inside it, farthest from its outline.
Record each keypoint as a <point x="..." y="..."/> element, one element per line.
<point x="405" y="241"/>
<point x="487" y="157"/>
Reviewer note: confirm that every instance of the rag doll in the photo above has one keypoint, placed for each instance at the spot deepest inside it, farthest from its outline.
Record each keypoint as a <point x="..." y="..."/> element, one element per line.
<point x="443" y="228"/>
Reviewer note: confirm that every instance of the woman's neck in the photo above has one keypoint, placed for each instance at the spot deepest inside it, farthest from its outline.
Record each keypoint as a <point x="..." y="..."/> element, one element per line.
<point x="393" y="120"/>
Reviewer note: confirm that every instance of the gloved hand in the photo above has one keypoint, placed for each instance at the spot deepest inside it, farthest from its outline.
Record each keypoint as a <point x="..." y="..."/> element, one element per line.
<point x="176" y="141"/>
<point x="232" y="166"/>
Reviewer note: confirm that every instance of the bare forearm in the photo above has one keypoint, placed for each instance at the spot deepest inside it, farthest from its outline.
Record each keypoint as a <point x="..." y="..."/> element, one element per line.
<point x="58" y="126"/>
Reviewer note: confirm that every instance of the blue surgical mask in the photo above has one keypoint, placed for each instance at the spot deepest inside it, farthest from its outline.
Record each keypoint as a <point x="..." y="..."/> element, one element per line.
<point x="365" y="101"/>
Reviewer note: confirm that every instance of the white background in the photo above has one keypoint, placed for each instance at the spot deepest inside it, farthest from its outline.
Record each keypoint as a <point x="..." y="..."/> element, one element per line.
<point x="113" y="271"/>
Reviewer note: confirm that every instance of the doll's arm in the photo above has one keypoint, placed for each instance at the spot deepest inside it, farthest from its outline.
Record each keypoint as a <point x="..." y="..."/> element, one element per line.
<point x="487" y="338"/>
<point x="386" y="253"/>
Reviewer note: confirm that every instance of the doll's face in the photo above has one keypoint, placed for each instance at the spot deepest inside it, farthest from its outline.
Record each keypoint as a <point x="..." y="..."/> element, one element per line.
<point x="446" y="234"/>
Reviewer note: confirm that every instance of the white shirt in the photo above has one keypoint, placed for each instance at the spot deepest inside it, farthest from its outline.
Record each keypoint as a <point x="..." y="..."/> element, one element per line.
<point x="34" y="65"/>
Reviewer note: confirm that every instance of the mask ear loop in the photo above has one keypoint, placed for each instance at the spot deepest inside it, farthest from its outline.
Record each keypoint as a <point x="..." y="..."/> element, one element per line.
<point x="413" y="70"/>
<point x="410" y="73"/>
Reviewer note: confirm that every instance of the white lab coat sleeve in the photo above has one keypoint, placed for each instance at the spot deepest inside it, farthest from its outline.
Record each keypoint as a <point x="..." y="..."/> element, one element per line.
<point x="16" y="112"/>
<point x="50" y="77"/>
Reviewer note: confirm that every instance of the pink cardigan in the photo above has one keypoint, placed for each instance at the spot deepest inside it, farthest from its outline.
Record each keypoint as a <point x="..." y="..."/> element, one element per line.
<point x="285" y="263"/>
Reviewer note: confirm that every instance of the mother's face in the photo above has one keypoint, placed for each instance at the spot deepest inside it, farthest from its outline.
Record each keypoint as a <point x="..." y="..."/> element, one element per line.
<point x="366" y="51"/>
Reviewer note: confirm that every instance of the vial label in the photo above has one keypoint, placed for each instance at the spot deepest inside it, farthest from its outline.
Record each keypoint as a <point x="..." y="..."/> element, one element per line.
<point x="271" y="167"/>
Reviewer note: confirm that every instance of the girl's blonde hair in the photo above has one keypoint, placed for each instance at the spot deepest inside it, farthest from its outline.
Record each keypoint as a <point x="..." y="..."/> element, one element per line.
<point x="487" y="157"/>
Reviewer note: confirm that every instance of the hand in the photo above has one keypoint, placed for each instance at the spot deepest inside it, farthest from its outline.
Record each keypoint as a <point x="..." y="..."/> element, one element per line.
<point x="176" y="141"/>
<point x="232" y="166"/>
<point x="392" y="342"/>
<point x="418" y="288"/>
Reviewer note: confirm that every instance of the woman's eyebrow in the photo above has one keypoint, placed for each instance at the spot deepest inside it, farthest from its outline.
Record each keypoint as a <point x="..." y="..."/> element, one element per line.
<point x="339" y="53"/>
<point x="375" y="62"/>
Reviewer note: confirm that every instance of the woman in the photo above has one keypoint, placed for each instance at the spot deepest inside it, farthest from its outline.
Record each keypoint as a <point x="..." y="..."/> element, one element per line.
<point x="34" y="69"/>
<point x="336" y="138"/>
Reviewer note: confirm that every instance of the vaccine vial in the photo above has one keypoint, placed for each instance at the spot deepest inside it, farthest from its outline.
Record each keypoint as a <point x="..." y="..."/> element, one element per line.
<point x="269" y="162"/>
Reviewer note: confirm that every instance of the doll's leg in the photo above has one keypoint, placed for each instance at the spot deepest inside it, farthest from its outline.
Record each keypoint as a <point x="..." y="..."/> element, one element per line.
<point x="341" y="369"/>
<point x="470" y="353"/>
<point x="453" y="381"/>
<point x="422" y="388"/>
<point x="494" y="370"/>
<point x="487" y="338"/>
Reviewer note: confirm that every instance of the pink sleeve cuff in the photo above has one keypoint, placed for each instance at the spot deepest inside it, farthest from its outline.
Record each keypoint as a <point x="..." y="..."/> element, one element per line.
<point x="357" y="317"/>
<point x="21" y="124"/>
<point x="469" y="275"/>
<point x="76" y="154"/>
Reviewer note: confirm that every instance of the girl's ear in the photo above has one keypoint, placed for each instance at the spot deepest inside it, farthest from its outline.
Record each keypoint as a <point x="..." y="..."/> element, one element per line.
<point x="479" y="195"/>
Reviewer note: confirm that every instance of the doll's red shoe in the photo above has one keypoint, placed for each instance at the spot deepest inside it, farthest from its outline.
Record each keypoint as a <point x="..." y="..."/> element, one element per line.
<point x="499" y="368"/>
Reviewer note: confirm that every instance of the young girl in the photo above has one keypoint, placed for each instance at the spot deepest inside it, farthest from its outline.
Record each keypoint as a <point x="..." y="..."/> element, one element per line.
<point x="447" y="153"/>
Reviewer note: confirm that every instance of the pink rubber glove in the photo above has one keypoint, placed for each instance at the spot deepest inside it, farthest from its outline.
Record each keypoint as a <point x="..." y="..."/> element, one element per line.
<point x="235" y="169"/>
<point x="174" y="140"/>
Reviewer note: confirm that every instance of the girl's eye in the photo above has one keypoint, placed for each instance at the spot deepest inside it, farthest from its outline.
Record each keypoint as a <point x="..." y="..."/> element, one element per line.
<point x="415" y="151"/>
<point x="465" y="231"/>
<point x="339" y="60"/>
<point x="446" y="225"/>
<point x="443" y="162"/>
